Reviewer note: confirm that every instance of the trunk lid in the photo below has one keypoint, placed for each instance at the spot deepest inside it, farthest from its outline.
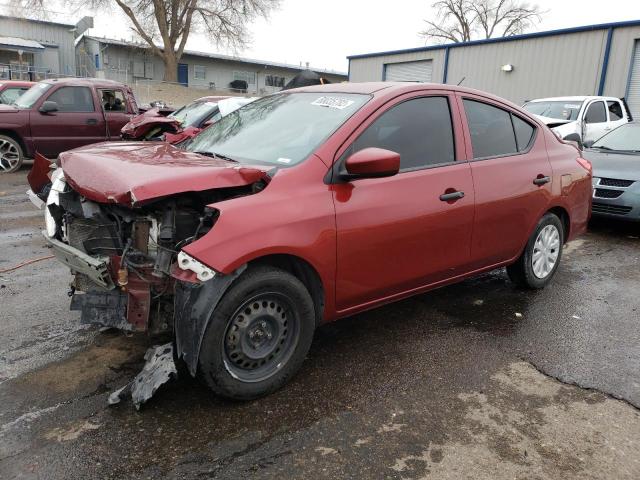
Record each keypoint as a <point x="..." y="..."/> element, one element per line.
<point x="132" y="173"/>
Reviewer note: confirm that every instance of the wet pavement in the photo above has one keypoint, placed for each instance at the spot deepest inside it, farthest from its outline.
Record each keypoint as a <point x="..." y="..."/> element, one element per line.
<point x="477" y="380"/>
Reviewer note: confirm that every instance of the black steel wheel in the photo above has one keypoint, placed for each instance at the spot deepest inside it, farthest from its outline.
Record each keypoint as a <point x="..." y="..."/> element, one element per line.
<point x="261" y="336"/>
<point x="258" y="335"/>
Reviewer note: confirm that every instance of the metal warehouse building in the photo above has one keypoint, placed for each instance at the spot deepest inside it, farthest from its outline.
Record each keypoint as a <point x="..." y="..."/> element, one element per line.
<point x="592" y="60"/>
<point x="133" y="63"/>
<point x="35" y="49"/>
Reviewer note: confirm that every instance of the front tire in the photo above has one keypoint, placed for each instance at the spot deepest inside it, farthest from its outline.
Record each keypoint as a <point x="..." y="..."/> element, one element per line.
<point x="11" y="154"/>
<point x="258" y="336"/>
<point x="539" y="261"/>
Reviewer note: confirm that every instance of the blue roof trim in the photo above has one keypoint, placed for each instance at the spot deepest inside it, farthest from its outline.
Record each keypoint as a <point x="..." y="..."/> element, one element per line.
<point x="524" y="36"/>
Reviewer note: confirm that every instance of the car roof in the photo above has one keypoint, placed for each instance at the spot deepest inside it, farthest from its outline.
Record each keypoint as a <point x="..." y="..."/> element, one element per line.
<point x="216" y="98"/>
<point x="85" y="82"/>
<point x="575" y="98"/>
<point x="16" y="83"/>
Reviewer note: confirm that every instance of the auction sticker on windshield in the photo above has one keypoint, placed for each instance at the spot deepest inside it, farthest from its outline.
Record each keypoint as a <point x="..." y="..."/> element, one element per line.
<point x="333" y="102"/>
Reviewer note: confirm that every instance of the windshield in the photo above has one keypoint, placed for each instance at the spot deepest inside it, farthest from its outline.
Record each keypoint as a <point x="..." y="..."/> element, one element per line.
<point x="192" y="114"/>
<point x="281" y="129"/>
<point x="555" y="109"/>
<point x="31" y="96"/>
<point x="625" y="138"/>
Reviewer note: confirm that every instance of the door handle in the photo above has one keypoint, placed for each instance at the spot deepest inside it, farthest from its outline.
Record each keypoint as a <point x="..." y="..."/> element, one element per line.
<point x="92" y="121"/>
<point x="447" y="197"/>
<point x="541" y="180"/>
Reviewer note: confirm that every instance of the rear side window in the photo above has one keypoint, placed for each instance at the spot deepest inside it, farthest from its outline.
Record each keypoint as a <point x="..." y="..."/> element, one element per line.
<point x="615" y="110"/>
<point x="496" y="132"/>
<point x="596" y="113"/>
<point x="420" y="130"/>
<point x="73" y="99"/>
<point x="524" y="133"/>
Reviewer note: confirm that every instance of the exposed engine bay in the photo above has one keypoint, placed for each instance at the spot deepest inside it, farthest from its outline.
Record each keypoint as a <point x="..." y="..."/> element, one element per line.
<point x="122" y="258"/>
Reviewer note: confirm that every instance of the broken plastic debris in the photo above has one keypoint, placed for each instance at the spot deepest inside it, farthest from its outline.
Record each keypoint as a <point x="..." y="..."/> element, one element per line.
<point x="478" y="302"/>
<point x="518" y="315"/>
<point x="158" y="370"/>
<point x="576" y="317"/>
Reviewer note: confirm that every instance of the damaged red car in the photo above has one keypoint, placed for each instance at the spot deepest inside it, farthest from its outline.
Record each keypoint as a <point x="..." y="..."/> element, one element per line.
<point x="306" y="206"/>
<point x="183" y="124"/>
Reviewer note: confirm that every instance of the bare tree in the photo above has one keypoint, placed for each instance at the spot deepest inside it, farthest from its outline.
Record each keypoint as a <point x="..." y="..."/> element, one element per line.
<point x="464" y="20"/>
<point x="170" y="22"/>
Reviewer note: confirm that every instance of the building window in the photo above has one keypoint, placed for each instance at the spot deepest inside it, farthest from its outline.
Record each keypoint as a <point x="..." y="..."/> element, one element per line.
<point x="199" y="72"/>
<point x="274" y="81"/>
<point x="248" y="77"/>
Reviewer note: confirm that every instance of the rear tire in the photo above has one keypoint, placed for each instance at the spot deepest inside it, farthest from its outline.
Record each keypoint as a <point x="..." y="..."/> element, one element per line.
<point x="258" y="335"/>
<point x="539" y="261"/>
<point x="11" y="154"/>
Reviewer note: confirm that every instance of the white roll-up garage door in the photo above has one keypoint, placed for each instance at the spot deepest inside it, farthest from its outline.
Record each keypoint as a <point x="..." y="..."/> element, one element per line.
<point x="633" y="92"/>
<point x="418" y="71"/>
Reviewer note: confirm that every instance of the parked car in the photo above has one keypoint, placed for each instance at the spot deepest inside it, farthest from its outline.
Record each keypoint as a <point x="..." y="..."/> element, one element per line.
<point x="10" y="90"/>
<point x="184" y="123"/>
<point x="307" y="206"/>
<point x="616" y="173"/>
<point x="588" y="117"/>
<point x="60" y="114"/>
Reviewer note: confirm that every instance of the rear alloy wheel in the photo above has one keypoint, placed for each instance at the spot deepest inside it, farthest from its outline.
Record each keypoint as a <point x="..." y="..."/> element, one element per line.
<point x="541" y="257"/>
<point x="259" y="334"/>
<point x="11" y="156"/>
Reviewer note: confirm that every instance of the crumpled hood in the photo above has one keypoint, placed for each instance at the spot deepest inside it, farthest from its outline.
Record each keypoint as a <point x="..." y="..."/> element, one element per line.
<point x="131" y="173"/>
<point x="138" y="126"/>
<point x="614" y="165"/>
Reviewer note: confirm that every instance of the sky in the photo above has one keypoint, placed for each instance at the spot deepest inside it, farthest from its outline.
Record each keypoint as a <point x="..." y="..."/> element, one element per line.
<point x="325" y="32"/>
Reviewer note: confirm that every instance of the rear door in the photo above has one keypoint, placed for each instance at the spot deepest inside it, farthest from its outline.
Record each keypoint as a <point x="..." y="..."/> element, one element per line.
<point x="395" y="234"/>
<point x="78" y="121"/>
<point x="117" y="112"/>
<point x="512" y="179"/>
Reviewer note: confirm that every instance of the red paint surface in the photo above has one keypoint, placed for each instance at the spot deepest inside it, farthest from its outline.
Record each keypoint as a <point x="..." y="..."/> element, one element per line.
<point x="132" y="173"/>
<point x="372" y="240"/>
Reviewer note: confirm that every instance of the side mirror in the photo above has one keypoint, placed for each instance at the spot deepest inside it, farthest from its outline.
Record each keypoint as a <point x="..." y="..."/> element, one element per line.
<point x="372" y="163"/>
<point x="574" y="137"/>
<point x="48" y="107"/>
<point x="208" y="123"/>
<point x="588" y="144"/>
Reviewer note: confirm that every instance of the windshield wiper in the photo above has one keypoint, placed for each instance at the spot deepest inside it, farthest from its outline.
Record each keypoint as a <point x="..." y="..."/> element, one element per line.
<point x="215" y="155"/>
<point x="601" y="147"/>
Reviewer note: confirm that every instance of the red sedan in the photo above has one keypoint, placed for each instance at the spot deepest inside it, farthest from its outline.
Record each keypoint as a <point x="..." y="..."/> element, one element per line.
<point x="307" y="206"/>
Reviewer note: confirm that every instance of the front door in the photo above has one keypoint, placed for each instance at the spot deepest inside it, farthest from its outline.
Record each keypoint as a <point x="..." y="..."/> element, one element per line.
<point x="396" y="234"/>
<point x="183" y="74"/>
<point x="512" y="180"/>
<point x="595" y="121"/>
<point x="78" y="121"/>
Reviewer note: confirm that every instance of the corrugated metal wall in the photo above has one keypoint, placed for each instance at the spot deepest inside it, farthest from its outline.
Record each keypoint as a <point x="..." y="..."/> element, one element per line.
<point x="47" y="34"/>
<point x="567" y="64"/>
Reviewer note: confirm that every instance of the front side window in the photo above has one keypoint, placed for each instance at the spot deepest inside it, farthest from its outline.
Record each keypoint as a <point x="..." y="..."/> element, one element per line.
<point x="491" y="130"/>
<point x="615" y="110"/>
<point x="279" y="130"/>
<point x="420" y="130"/>
<point x="596" y="113"/>
<point x="73" y="99"/>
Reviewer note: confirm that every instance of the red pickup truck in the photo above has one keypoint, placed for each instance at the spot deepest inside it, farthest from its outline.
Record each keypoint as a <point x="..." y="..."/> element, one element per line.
<point x="60" y="114"/>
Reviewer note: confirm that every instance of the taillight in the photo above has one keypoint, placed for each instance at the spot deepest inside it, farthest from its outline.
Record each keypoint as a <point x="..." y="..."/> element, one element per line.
<point x="586" y="164"/>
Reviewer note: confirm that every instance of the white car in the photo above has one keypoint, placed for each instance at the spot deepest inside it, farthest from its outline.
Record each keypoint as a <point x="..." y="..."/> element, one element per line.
<point x="589" y="117"/>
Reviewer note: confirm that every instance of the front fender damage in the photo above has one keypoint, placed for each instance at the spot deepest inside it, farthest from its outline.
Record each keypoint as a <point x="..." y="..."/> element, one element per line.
<point x="194" y="304"/>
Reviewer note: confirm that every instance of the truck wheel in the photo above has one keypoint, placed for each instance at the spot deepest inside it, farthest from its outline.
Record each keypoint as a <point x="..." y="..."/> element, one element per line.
<point x="541" y="257"/>
<point x="258" y="335"/>
<point x="11" y="156"/>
